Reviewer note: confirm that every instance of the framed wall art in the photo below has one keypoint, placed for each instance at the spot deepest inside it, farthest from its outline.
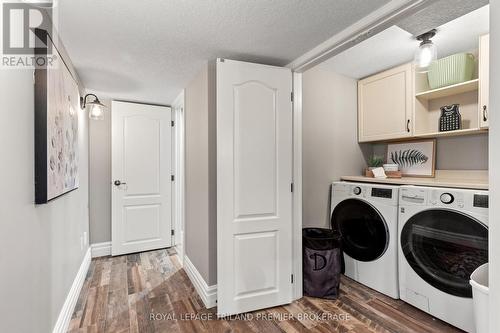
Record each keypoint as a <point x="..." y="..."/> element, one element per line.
<point x="414" y="158"/>
<point x="56" y="125"/>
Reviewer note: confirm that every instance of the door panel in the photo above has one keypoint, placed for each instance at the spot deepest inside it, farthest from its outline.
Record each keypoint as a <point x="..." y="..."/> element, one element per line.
<point x="255" y="183"/>
<point x="254" y="173"/>
<point x="142" y="155"/>
<point x="141" y="162"/>
<point x="252" y="277"/>
<point x="385" y="105"/>
<point x="141" y="222"/>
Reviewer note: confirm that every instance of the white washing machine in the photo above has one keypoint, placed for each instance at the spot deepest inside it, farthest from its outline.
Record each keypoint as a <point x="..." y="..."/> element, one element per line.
<point x="367" y="217"/>
<point x="443" y="237"/>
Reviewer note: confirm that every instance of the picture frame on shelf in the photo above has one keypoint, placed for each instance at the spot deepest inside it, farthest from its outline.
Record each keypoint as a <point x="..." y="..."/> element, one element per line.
<point x="416" y="158"/>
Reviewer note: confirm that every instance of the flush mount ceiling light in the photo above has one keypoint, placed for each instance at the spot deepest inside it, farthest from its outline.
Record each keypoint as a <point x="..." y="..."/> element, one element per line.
<point x="96" y="108"/>
<point x="426" y="52"/>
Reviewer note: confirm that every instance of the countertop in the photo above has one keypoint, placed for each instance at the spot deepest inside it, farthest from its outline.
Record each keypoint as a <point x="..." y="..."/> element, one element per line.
<point x="469" y="179"/>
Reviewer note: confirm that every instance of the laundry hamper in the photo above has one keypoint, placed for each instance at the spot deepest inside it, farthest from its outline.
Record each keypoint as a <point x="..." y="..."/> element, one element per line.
<point x="322" y="262"/>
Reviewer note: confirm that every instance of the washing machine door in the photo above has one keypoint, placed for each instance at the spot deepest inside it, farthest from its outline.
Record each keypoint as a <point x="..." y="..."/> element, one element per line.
<point x="444" y="247"/>
<point x="365" y="235"/>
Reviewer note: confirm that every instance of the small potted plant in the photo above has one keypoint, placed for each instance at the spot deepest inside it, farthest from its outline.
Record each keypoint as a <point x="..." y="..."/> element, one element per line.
<point x="374" y="162"/>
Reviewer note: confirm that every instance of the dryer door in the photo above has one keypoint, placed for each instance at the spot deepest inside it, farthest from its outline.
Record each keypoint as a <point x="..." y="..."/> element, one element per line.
<point x="444" y="247"/>
<point x="365" y="236"/>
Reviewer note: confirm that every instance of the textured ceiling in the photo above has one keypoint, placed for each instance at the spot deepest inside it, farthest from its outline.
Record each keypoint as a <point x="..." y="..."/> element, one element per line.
<point x="149" y="50"/>
<point x="396" y="46"/>
<point x="439" y="13"/>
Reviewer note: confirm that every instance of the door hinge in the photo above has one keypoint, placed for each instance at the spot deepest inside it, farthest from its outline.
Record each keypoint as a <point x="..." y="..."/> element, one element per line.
<point x="291" y="187"/>
<point x="291" y="96"/>
<point x="172" y="123"/>
<point x="172" y="177"/>
<point x="172" y="232"/>
<point x="291" y="278"/>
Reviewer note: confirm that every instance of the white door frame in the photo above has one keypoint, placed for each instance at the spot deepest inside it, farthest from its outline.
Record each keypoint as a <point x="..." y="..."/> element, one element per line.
<point x="494" y="163"/>
<point x="118" y="244"/>
<point x="297" y="186"/>
<point x="178" y="208"/>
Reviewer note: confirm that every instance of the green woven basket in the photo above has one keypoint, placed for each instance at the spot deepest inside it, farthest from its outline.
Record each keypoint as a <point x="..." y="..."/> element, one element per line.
<point x="453" y="69"/>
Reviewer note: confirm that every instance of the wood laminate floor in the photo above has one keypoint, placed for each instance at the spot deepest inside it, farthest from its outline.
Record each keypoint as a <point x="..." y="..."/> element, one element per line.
<point x="150" y="292"/>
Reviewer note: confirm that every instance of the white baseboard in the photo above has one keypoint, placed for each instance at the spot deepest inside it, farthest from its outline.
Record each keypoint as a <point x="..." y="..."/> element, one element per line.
<point x="101" y="249"/>
<point x="208" y="294"/>
<point x="68" y="307"/>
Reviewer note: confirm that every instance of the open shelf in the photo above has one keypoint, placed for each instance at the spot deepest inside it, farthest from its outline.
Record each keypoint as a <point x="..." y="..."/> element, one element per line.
<point x="454" y="89"/>
<point x="428" y="103"/>
<point x="468" y="131"/>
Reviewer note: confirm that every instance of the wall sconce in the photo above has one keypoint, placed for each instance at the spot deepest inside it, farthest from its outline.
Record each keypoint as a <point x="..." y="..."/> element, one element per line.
<point x="96" y="108"/>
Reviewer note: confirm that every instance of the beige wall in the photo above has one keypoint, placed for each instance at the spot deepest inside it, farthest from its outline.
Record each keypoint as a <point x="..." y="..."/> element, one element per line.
<point x="40" y="249"/>
<point x="329" y="138"/>
<point x="456" y="153"/>
<point x="200" y="174"/>
<point x="100" y="177"/>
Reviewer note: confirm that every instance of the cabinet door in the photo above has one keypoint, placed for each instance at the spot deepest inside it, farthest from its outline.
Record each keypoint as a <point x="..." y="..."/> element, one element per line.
<point x="385" y="105"/>
<point x="484" y="68"/>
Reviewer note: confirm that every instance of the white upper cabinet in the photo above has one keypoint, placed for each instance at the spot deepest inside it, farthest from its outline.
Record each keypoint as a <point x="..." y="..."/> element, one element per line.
<point x="385" y="103"/>
<point x="484" y="53"/>
<point x="398" y="103"/>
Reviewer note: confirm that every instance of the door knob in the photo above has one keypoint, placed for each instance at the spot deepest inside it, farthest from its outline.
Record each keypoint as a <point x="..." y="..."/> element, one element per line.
<point x="118" y="183"/>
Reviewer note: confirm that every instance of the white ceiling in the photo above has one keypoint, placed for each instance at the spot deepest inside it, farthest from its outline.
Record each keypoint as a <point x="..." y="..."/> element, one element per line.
<point x="396" y="46"/>
<point x="149" y="50"/>
<point x="437" y="14"/>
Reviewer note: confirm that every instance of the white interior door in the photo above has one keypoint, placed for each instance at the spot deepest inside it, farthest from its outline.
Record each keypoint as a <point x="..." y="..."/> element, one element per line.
<point x="141" y="183"/>
<point x="254" y="176"/>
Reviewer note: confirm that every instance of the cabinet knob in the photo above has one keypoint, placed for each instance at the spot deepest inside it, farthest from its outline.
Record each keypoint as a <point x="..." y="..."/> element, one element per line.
<point x="118" y="183"/>
<point x="408" y="126"/>
<point x="485" y="113"/>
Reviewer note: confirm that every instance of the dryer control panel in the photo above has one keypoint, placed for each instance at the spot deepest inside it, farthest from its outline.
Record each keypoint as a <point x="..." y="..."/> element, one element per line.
<point x="481" y="200"/>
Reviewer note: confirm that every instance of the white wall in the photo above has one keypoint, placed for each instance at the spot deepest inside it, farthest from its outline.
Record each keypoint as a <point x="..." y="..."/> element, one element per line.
<point x="201" y="174"/>
<point x="329" y="139"/>
<point x="494" y="227"/>
<point x="40" y="250"/>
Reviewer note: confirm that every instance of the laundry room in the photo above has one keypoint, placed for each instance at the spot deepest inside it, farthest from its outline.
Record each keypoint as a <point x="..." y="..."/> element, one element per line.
<point x="395" y="133"/>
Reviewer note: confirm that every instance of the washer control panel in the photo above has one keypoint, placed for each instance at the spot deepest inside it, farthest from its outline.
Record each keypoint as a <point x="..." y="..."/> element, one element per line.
<point x="382" y="192"/>
<point x="447" y="198"/>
